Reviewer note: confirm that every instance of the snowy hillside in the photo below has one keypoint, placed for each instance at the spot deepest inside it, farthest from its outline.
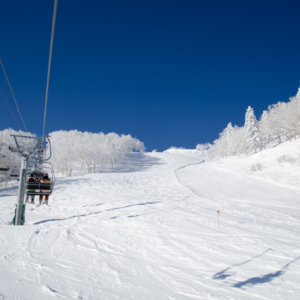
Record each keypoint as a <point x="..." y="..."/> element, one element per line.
<point x="149" y="230"/>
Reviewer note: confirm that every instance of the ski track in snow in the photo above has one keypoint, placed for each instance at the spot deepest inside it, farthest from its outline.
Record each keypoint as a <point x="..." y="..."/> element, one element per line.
<point x="149" y="230"/>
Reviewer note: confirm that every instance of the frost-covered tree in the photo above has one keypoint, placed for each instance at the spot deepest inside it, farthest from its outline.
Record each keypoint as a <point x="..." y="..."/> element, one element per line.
<point x="290" y="116"/>
<point x="211" y="151"/>
<point x="294" y="113"/>
<point x="280" y="121"/>
<point x="63" y="154"/>
<point x="223" y="144"/>
<point x="238" y="141"/>
<point x="73" y="149"/>
<point x="284" y="118"/>
<point x="89" y="151"/>
<point x="276" y="129"/>
<point x="203" y="148"/>
<point x="252" y="131"/>
<point x="8" y="159"/>
<point x="284" y="114"/>
<point x="243" y="140"/>
<point x="264" y="126"/>
<point x="228" y="134"/>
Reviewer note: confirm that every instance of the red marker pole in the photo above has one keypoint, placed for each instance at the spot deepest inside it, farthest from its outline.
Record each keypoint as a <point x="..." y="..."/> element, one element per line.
<point x="218" y="213"/>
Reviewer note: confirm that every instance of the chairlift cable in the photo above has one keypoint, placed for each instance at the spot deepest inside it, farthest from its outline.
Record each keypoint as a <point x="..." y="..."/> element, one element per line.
<point x="49" y="62"/>
<point x="12" y="93"/>
<point x="10" y="109"/>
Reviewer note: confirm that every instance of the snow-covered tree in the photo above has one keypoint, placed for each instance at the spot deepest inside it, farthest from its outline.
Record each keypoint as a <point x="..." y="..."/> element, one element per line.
<point x="92" y="151"/>
<point x="276" y="129"/>
<point x="264" y="126"/>
<point x="280" y="121"/>
<point x="12" y="160"/>
<point x="252" y="131"/>
<point x="294" y="110"/>
<point x="290" y="116"/>
<point x="228" y="135"/>
<point x="203" y="148"/>
<point x="211" y="151"/>
<point x="223" y="144"/>
<point x="239" y="141"/>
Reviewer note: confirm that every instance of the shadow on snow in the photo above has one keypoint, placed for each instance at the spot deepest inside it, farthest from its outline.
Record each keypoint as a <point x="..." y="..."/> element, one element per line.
<point x="226" y="272"/>
<point x="264" y="278"/>
<point x="254" y="280"/>
<point x="94" y="213"/>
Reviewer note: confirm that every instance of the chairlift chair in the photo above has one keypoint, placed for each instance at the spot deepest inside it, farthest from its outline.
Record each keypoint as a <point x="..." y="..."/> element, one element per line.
<point x="4" y="168"/>
<point x="37" y="166"/>
<point x="38" y="188"/>
<point x="15" y="172"/>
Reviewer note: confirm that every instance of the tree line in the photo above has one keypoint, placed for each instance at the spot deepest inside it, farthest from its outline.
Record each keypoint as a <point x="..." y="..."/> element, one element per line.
<point x="279" y="123"/>
<point x="90" y="152"/>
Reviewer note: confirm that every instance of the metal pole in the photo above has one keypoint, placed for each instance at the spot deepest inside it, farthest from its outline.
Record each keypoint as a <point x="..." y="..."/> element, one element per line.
<point x="20" y="202"/>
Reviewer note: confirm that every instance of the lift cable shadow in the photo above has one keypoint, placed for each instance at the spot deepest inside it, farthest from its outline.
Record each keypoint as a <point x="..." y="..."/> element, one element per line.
<point x="94" y="213"/>
<point x="264" y="278"/>
<point x="225" y="273"/>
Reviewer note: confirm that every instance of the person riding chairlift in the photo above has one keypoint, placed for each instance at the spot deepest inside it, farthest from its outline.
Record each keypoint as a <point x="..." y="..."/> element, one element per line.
<point x="30" y="179"/>
<point x="45" y="179"/>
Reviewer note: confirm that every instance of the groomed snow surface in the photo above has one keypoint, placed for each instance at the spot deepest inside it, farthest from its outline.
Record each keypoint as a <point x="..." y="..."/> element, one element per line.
<point x="149" y="230"/>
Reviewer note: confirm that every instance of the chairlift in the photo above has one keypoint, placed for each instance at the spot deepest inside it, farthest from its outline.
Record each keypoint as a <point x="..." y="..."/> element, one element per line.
<point x="15" y="172"/>
<point x="37" y="187"/>
<point x="4" y="168"/>
<point x="38" y="166"/>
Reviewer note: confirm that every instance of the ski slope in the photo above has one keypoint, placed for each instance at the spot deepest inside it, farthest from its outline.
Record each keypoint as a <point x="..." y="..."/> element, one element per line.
<point x="149" y="230"/>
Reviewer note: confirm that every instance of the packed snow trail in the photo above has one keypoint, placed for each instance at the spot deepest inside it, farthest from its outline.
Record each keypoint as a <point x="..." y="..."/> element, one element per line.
<point x="148" y="230"/>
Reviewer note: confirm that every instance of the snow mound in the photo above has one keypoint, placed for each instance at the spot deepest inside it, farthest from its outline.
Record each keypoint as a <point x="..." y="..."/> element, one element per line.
<point x="279" y="164"/>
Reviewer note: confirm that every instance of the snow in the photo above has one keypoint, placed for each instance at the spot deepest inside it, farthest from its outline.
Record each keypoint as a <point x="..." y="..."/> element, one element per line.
<point x="149" y="230"/>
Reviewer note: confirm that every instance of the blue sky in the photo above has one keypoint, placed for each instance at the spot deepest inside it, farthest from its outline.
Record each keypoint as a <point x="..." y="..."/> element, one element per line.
<point x="170" y="73"/>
